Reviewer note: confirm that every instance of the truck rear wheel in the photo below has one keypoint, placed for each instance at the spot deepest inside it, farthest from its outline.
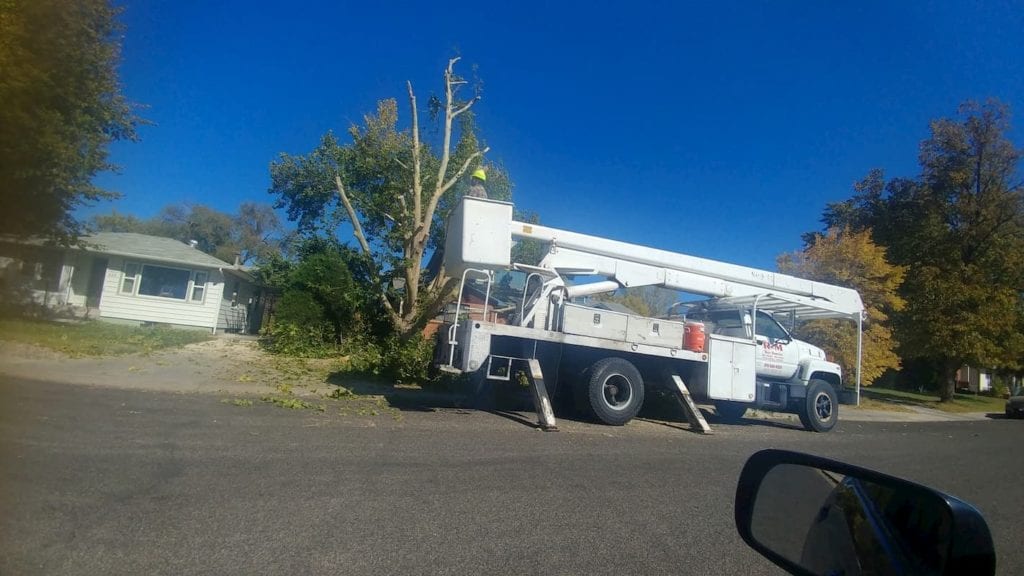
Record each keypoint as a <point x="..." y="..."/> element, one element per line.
<point x="615" y="390"/>
<point x="819" y="411"/>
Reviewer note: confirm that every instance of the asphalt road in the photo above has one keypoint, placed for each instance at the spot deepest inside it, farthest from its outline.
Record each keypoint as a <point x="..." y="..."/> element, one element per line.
<point x="103" y="481"/>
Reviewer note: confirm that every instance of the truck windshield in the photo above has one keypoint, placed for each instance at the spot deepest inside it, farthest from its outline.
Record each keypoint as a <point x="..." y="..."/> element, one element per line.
<point x="769" y="328"/>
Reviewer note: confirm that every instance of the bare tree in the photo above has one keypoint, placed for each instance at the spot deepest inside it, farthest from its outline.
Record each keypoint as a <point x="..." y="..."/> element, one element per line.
<point x="390" y="186"/>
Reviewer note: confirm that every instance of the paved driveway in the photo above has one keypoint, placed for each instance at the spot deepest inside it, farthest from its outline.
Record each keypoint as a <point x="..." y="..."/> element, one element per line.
<point x="113" y="481"/>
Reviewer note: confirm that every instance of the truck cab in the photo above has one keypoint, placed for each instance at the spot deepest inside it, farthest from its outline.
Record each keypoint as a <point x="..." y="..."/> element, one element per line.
<point x="778" y="355"/>
<point x="786" y="368"/>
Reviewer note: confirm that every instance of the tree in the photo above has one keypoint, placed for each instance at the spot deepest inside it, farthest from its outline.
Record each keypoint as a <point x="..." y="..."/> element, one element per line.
<point x="393" y="190"/>
<point x="327" y="274"/>
<point x="959" y="228"/>
<point x="528" y="250"/>
<point x="324" y="298"/>
<point x="644" y="300"/>
<point x="258" y="232"/>
<point x="852" y="259"/>
<point x="212" y="230"/>
<point x="116" y="222"/>
<point x="62" y="107"/>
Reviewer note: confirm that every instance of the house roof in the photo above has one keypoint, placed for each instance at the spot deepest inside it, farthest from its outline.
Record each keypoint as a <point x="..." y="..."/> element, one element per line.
<point x="146" y="247"/>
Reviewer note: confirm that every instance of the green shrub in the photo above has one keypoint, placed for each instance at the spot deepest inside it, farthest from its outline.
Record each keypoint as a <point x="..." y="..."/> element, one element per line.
<point x="364" y="356"/>
<point x="304" y="340"/>
<point x="299" y="308"/>
<point x="397" y="361"/>
<point x="409" y="361"/>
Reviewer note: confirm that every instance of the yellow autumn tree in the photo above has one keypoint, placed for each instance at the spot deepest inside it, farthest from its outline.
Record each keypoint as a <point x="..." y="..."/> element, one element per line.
<point x="852" y="259"/>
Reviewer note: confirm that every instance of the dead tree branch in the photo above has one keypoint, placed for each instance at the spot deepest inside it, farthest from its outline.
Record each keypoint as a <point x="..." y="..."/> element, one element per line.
<point x="357" y="231"/>
<point x="417" y="186"/>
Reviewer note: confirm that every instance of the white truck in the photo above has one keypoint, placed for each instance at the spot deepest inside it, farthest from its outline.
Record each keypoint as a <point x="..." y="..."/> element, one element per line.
<point x="729" y="350"/>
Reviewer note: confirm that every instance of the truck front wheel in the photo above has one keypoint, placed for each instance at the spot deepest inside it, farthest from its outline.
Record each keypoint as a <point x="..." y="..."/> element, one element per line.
<point x="819" y="411"/>
<point x="615" y="390"/>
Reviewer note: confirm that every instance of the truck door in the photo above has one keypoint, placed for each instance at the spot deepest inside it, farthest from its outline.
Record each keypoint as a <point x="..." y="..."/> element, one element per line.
<point x="777" y="356"/>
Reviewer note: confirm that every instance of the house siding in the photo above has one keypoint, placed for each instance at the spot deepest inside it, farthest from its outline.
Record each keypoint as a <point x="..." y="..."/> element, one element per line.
<point x="77" y="267"/>
<point x="113" y="304"/>
<point x="235" y="317"/>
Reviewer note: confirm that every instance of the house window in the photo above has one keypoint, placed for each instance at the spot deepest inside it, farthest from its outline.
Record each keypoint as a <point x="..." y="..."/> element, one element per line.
<point x="199" y="286"/>
<point x="164" y="282"/>
<point x="130" y="278"/>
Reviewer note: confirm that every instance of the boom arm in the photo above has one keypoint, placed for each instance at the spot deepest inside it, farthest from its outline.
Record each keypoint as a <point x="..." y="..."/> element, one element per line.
<point x="480" y="236"/>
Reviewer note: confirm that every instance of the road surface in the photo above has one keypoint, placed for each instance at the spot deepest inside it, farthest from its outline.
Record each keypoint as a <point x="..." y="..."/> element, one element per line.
<point x="106" y="481"/>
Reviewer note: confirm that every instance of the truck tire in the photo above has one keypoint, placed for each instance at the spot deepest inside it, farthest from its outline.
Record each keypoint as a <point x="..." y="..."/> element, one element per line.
<point x="819" y="412"/>
<point x="730" y="411"/>
<point x="615" y="390"/>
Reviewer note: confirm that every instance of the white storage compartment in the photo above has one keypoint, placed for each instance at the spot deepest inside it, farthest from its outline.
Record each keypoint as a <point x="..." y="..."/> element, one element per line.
<point x="731" y="369"/>
<point x="479" y="236"/>
<point x="655" y="332"/>
<point x="587" y="321"/>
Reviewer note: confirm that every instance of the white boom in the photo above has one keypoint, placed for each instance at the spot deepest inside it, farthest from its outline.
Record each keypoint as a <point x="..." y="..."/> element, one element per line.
<point x="481" y="232"/>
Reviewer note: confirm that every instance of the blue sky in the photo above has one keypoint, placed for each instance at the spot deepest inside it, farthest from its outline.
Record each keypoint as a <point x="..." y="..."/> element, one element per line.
<point x="714" y="129"/>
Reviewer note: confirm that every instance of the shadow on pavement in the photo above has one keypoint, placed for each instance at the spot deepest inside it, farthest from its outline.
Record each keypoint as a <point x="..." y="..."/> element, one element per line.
<point x="661" y="407"/>
<point x="515" y="403"/>
<point x="997" y="416"/>
<point x="462" y="397"/>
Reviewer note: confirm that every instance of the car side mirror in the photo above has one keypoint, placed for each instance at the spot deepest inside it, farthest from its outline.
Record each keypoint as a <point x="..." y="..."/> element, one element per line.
<point x="814" y="516"/>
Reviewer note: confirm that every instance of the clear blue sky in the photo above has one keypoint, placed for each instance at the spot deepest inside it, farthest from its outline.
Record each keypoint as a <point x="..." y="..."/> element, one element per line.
<point x="711" y="129"/>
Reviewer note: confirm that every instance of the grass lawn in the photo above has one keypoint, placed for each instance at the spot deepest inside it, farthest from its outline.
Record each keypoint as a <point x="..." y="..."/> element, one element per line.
<point x="959" y="403"/>
<point x="93" y="338"/>
<point x="867" y="403"/>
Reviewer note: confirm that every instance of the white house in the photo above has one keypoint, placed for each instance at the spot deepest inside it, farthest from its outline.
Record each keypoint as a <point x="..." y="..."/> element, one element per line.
<point x="129" y="277"/>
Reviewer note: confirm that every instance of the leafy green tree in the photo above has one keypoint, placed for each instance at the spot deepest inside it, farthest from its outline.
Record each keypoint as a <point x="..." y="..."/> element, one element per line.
<point x="211" y="229"/>
<point x="393" y="190"/>
<point x="528" y="250"/>
<point x="959" y="228"/>
<point x="257" y="232"/>
<point x="853" y="259"/>
<point x="116" y="222"/>
<point x="325" y="298"/>
<point x="326" y="276"/>
<point x="62" y="107"/>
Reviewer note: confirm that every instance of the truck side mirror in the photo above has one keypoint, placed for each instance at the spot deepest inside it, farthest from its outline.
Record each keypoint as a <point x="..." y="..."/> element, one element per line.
<point x="748" y="324"/>
<point x="811" y="515"/>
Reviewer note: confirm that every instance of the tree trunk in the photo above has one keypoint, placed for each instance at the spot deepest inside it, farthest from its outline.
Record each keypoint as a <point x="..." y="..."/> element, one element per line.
<point x="948" y="388"/>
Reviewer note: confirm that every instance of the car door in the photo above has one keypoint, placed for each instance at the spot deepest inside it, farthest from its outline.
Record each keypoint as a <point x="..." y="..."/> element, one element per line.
<point x="776" y="356"/>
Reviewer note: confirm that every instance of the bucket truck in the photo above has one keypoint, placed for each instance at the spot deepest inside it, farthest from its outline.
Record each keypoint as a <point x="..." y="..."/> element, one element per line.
<point x="730" y="350"/>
